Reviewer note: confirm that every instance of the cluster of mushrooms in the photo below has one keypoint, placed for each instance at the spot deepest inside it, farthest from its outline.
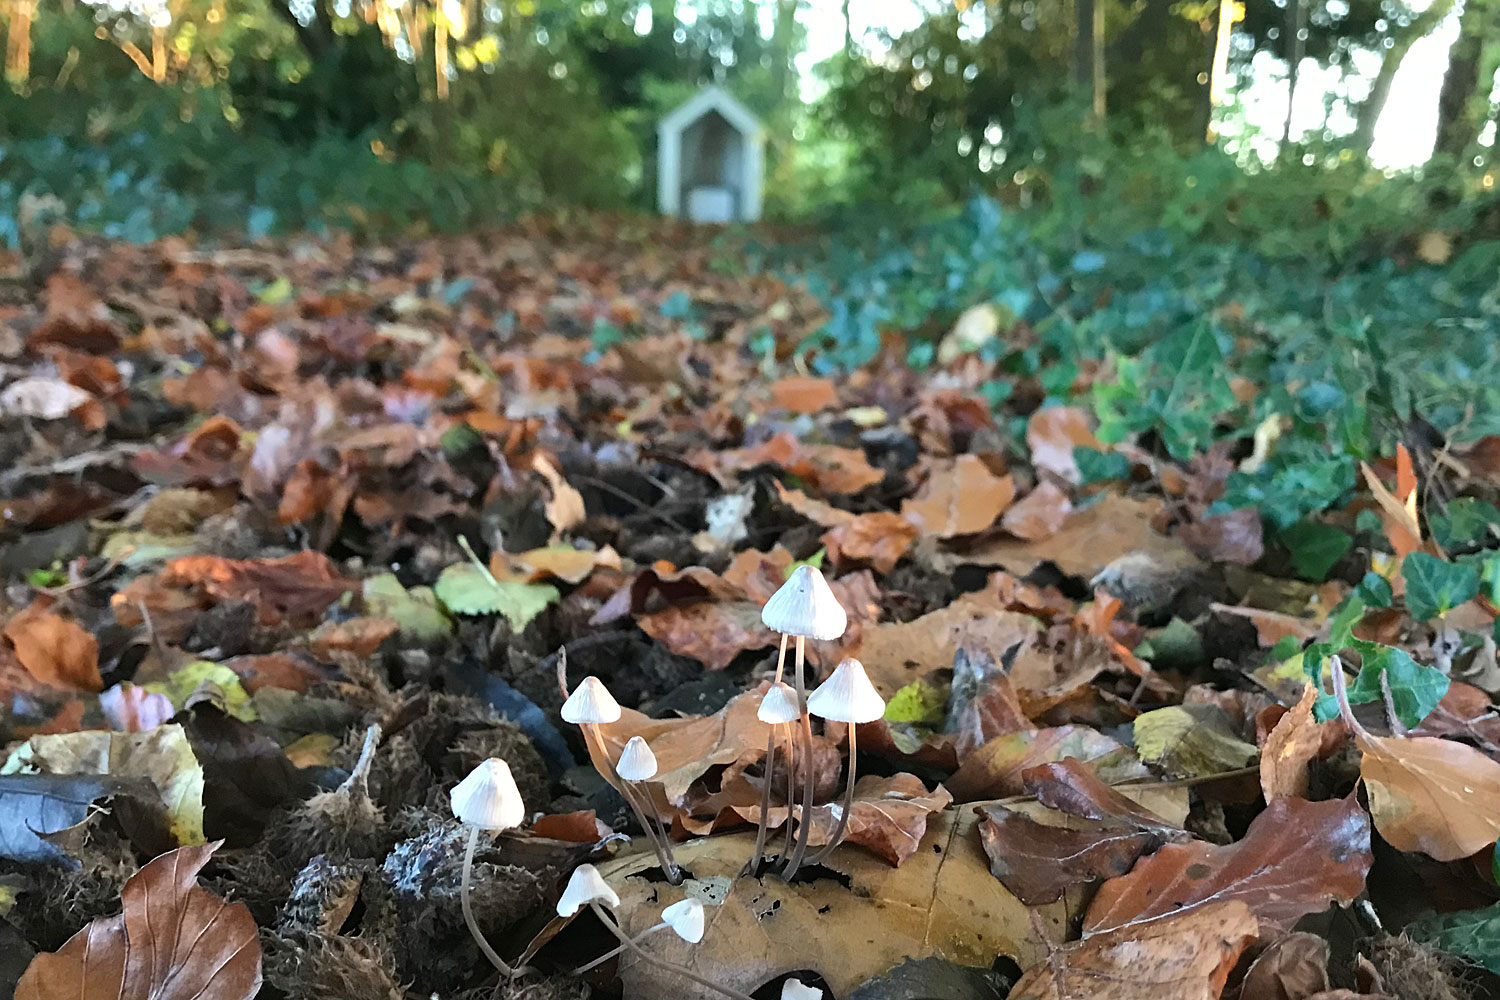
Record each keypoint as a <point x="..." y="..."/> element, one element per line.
<point x="804" y="608"/>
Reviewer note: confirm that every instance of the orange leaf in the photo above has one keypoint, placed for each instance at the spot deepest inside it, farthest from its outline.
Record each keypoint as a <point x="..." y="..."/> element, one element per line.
<point x="173" y="941"/>
<point x="711" y="633"/>
<point x="296" y="587"/>
<point x="1399" y="518"/>
<point x="804" y="394"/>
<point x="55" y="651"/>
<point x="1290" y="748"/>
<point x="1040" y="514"/>
<point x="1185" y="956"/>
<point x="1052" y="434"/>
<point x="1431" y="795"/>
<point x="879" y="540"/>
<point x="961" y="499"/>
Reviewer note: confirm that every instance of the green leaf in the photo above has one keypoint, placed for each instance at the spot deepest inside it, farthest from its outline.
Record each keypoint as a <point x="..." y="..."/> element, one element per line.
<point x="207" y="679"/>
<point x="1489" y="578"/>
<point x="1435" y="587"/>
<point x="1315" y="547"/>
<point x="466" y="589"/>
<point x="1100" y="466"/>
<point x="1466" y="522"/>
<point x="1375" y="590"/>
<point x="918" y="702"/>
<point x="1474" y="934"/>
<point x="416" y="611"/>
<point x="276" y="292"/>
<point x="1415" y="689"/>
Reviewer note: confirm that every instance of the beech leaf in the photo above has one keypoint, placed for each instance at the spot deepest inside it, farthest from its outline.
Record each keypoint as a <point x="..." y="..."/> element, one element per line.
<point x="1291" y="747"/>
<point x="173" y="940"/>
<point x="55" y="651"/>
<point x="995" y="769"/>
<point x="1431" y="795"/>
<point x="1039" y="862"/>
<point x="963" y="498"/>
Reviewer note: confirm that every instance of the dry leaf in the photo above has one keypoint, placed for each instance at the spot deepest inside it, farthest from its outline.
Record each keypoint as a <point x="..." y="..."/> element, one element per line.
<point x="560" y="562"/>
<point x="173" y="940"/>
<point x="296" y="588"/>
<point x="40" y="398"/>
<point x="1291" y="747"/>
<point x="1431" y="795"/>
<point x="1398" y="517"/>
<point x="1296" y="858"/>
<point x="995" y="769"/>
<point x="1040" y="862"/>
<point x="1052" y="434"/>
<point x="878" y="540"/>
<point x="961" y="498"/>
<point x="1040" y="514"/>
<point x="1073" y="787"/>
<point x="1294" y="967"/>
<point x="942" y="902"/>
<point x="1235" y="537"/>
<point x="565" y="508"/>
<point x="55" y="651"/>
<point x="825" y="468"/>
<point x="1185" y="956"/>
<point x="898" y="653"/>
<point x="816" y="511"/>
<point x="889" y="815"/>
<point x="711" y="632"/>
<point x="803" y="394"/>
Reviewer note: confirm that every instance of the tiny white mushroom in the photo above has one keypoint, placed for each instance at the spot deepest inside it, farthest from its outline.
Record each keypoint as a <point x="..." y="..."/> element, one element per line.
<point x="591" y="704"/>
<point x="805" y="607"/>
<point x="685" y="917"/>
<point x="778" y="705"/>
<point x="637" y="762"/>
<point x="846" y="696"/>
<point x="796" y="989"/>
<point x="488" y="797"/>
<point x="584" y="887"/>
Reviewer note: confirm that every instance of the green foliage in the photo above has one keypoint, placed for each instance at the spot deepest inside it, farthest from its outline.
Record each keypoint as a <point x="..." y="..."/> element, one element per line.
<point x="1467" y="522"/>
<point x="1474" y="934"/>
<point x="467" y="589"/>
<point x="1315" y="548"/>
<point x="1435" y="587"/>
<point x="1415" y="689"/>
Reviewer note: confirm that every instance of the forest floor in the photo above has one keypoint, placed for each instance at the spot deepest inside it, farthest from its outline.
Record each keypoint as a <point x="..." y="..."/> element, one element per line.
<point x="295" y="536"/>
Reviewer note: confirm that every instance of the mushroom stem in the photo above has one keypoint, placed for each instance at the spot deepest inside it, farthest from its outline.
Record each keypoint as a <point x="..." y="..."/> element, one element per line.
<point x="791" y="786"/>
<point x="765" y="793"/>
<point x="804" y="822"/>
<point x="615" y="951"/>
<point x="468" y="909"/>
<point x="686" y="973"/>
<point x="838" y="833"/>
<point x="662" y="847"/>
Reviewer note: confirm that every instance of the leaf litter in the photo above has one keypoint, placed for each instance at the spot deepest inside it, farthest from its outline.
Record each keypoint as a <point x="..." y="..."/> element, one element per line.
<point x="284" y="561"/>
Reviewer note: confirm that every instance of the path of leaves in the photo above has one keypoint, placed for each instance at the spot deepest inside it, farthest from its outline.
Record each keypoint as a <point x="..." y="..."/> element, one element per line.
<point x="292" y="535"/>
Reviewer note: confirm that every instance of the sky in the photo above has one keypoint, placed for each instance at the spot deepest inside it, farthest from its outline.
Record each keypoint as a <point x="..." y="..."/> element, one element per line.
<point x="1404" y="135"/>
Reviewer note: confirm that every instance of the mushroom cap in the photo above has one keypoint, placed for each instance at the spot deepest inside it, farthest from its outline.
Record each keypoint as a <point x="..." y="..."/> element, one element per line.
<point x="637" y="762"/>
<point x="847" y="695"/>
<point x="488" y="797"/>
<point x="685" y="917"/>
<point x="584" y="887"/>
<point x="778" y="705"/>
<point x="805" y="606"/>
<point x="590" y="702"/>
<point x="796" y="989"/>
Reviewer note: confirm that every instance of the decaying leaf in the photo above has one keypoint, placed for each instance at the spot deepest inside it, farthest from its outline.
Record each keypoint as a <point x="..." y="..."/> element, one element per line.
<point x="1293" y="967"/>
<point x="296" y="588"/>
<point x="1191" y="741"/>
<point x="1073" y="787"/>
<point x="1039" y="514"/>
<point x="1296" y="858"/>
<point x="1052" y="434"/>
<point x="55" y="651"/>
<point x="899" y="653"/>
<point x="996" y="769"/>
<point x="1185" y="956"/>
<point x="889" y="815"/>
<point x="713" y="633"/>
<point x="173" y="941"/>
<point x="1290" y="748"/>
<point x="1039" y="862"/>
<point x="878" y="540"/>
<point x="961" y="498"/>
<point x="565" y="508"/>
<point x="1431" y="795"/>
<point x="942" y="902"/>
<point x="33" y="806"/>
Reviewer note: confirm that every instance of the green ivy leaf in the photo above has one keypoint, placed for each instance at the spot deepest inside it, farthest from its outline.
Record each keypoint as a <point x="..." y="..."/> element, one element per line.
<point x="1466" y="522"/>
<point x="1100" y="466"/>
<point x="1375" y="590"/>
<point x="467" y="589"/>
<point x="1435" y="587"/>
<point x="1415" y="689"/>
<point x="1315" y="547"/>
<point x="1474" y="934"/>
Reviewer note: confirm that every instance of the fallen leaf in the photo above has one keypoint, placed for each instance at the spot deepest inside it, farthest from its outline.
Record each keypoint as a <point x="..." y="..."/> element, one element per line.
<point x="173" y="941"/>
<point x="814" y="510"/>
<point x="565" y="508"/>
<point x="33" y="806"/>
<point x="959" y="498"/>
<point x="55" y="651"/>
<point x="995" y="769"/>
<point x="1398" y="518"/>
<point x="889" y="815"/>
<point x="1052" y="433"/>
<point x="878" y="540"/>
<point x="1185" y="956"/>
<point x="711" y="632"/>
<point x="581" y="827"/>
<point x="933" y="977"/>
<point x="162" y="756"/>
<point x="133" y="709"/>
<point x="1296" y="739"/>
<point x="1234" y="537"/>
<point x="41" y="398"/>
<point x="467" y="589"/>
<point x="246" y="776"/>
<point x="296" y="588"/>
<point x="561" y="562"/>
<point x="1296" y="858"/>
<point x="825" y="468"/>
<point x="1073" y="787"/>
<point x="1040" y="862"/>
<point x="803" y="394"/>
<point x="896" y="654"/>
<point x="943" y="902"/>
<point x="361" y="636"/>
<point x="1293" y="967"/>
<point x="1039" y="514"/>
<point x="1191" y="741"/>
<point x="1431" y="795"/>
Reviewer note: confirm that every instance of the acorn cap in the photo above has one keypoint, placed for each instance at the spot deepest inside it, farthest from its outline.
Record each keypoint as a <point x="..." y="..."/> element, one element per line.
<point x="805" y="606"/>
<point x="685" y="917"/>
<point x="778" y="705"/>
<point x="488" y="797"/>
<point x="847" y="695"/>
<point x="590" y="702"/>
<point x="795" y="989"/>
<point x="584" y="887"/>
<point x="637" y="762"/>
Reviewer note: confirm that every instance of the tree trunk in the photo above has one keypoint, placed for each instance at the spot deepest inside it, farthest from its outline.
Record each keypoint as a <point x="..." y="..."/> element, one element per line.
<point x="1296" y="20"/>
<point x="848" y="32"/>
<point x="1380" y="90"/>
<point x="1088" y="53"/>
<point x="782" y="45"/>
<point x="1463" y="103"/>
<point x="1218" y="67"/>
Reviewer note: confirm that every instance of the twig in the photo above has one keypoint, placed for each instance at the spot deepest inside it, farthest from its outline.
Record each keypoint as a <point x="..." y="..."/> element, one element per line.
<point x="639" y="504"/>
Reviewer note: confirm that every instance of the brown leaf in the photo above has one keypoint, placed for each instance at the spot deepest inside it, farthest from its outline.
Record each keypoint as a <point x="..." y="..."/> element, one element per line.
<point x="1431" y="795"/>
<point x="1039" y="514"/>
<point x="1073" y="787"/>
<point x="173" y="941"/>
<point x="76" y="317"/>
<point x="1185" y="956"/>
<point x="1052" y="434"/>
<point x="1289" y="750"/>
<point x="562" y="562"/>
<point x="1234" y="537"/>
<point x="361" y="636"/>
<point x="1039" y="862"/>
<point x="897" y="653"/>
<point x="816" y="511"/>
<point x="581" y="827"/>
<point x="55" y="651"/>
<point x="995" y="769"/>
<point x="565" y="508"/>
<point x="803" y="394"/>
<point x="878" y="540"/>
<point x="296" y="588"/>
<point x="825" y="468"/>
<point x="889" y="815"/>
<point x="711" y="632"/>
<point x="1294" y="967"/>
<point x="1295" y="859"/>
<point x="961" y="498"/>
